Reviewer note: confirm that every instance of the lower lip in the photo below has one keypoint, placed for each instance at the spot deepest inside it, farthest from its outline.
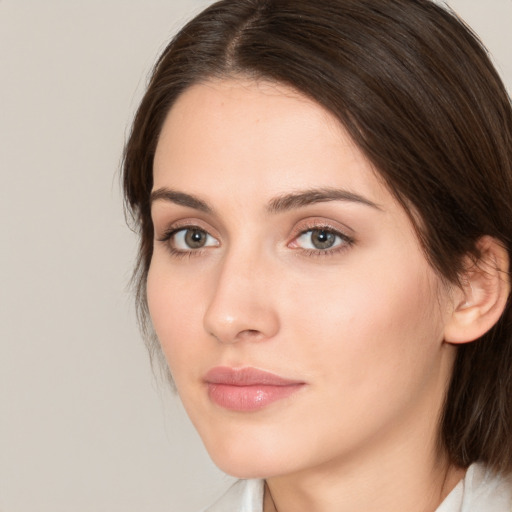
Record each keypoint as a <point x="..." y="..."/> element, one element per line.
<point x="249" y="398"/>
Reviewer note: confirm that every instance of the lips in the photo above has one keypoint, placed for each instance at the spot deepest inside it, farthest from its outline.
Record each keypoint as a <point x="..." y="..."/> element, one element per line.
<point x="247" y="389"/>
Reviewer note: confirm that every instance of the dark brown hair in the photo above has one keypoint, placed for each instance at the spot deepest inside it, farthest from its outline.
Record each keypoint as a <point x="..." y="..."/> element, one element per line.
<point x="419" y="96"/>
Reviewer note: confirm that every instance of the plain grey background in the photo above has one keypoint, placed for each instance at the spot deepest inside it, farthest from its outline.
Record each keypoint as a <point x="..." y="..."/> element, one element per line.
<point x="84" y="425"/>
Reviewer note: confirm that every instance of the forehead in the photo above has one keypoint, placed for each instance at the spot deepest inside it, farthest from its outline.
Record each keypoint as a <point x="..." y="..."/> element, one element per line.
<point x="259" y="136"/>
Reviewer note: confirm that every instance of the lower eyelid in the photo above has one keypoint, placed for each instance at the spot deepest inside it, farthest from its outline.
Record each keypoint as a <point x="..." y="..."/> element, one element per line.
<point x="345" y="239"/>
<point x="173" y="246"/>
<point x="344" y="242"/>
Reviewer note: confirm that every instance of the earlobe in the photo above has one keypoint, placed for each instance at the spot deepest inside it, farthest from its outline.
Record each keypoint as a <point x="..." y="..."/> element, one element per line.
<point x="481" y="300"/>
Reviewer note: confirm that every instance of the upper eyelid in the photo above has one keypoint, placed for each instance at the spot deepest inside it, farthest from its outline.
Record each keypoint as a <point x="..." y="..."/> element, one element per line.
<point x="177" y="225"/>
<point x="167" y="240"/>
<point x="300" y="227"/>
<point x="321" y="227"/>
<point x="338" y="233"/>
<point x="173" y="231"/>
<point x="165" y="214"/>
<point x="312" y="224"/>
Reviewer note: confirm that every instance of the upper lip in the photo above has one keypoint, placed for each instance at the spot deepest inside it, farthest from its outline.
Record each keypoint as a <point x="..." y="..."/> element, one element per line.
<point x="246" y="376"/>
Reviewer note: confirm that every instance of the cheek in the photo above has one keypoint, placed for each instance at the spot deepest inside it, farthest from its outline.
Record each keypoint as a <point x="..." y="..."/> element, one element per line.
<point x="175" y="309"/>
<point x="369" y="327"/>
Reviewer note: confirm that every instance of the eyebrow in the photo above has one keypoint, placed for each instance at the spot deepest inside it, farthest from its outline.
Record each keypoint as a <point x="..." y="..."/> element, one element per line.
<point x="180" y="198"/>
<point x="279" y="204"/>
<point x="307" y="197"/>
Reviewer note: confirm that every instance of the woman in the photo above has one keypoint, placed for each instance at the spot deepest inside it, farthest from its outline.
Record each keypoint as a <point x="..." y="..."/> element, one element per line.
<point x="323" y="195"/>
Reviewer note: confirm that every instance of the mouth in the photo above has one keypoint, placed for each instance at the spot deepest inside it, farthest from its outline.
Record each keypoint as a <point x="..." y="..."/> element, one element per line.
<point x="247" y="389"/>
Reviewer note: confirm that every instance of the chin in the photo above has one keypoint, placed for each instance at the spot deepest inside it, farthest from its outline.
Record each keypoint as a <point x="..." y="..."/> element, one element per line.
<point x="246" y="470"/>
<point x="251" y="461"/>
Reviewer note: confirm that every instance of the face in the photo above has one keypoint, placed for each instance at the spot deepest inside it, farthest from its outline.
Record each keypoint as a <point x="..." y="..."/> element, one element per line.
<point x="299" y="317"/>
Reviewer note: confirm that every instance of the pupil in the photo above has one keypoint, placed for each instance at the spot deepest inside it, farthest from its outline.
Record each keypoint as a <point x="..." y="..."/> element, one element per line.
<point x="323" y="239"/>
<point x="195" y="239"/>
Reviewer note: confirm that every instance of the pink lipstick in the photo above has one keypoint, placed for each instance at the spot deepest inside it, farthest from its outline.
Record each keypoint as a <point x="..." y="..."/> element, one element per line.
<point x="247" y="389"/>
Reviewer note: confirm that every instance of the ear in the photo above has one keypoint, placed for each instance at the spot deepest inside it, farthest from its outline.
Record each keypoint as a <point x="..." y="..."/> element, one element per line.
<point x="481" y="300"/>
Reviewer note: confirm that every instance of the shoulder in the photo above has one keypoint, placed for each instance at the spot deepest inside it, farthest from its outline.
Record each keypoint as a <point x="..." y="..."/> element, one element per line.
<point x="481" y="490"/>
<point x="242" y="496"/>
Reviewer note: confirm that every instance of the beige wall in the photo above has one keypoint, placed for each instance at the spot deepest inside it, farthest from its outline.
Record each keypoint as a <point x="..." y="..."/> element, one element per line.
<point x="83" y="426"/>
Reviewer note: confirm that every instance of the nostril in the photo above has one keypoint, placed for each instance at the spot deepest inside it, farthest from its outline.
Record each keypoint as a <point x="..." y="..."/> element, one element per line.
<point x="245" y="334"/>
<point x="230" y="318"/>
<point x="248" y="335"/>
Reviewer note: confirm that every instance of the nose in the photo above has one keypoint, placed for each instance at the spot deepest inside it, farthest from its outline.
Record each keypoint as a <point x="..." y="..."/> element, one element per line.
<point x="242" y="306"/>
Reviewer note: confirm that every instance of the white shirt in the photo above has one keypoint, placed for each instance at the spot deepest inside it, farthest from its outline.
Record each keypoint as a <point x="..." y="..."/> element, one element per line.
<point x="479" y="491"/>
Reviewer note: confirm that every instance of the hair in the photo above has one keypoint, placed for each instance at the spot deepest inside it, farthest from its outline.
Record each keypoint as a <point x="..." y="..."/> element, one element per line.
<point x="418" y="94"/>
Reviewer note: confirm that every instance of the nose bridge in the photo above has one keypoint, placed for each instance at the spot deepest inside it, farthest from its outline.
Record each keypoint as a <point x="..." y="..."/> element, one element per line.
<point x="241" y="305"/>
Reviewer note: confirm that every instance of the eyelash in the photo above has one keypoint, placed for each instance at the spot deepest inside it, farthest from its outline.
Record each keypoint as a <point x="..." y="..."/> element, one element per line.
<point x="177" y="253"/>
<point x="346" y="241"/>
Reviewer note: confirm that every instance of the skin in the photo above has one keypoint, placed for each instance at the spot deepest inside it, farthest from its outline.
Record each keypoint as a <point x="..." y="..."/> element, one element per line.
<point x="360" y="323"/>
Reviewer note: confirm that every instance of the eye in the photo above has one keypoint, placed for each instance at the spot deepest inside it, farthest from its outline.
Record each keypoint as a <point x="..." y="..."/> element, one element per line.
<point x="187" y="239"/>
<point x="320" y="239"/>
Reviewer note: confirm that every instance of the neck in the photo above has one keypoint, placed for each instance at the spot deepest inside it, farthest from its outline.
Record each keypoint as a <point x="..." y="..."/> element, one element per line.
<point x="366" y="494"/>
<point x="378" y="487"/>
<point x="401" y="468"/>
